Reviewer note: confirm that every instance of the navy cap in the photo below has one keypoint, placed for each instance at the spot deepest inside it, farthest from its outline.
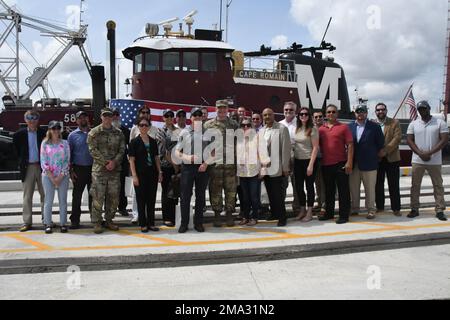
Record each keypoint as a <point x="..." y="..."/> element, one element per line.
<point x="196" y="110"/>
<point x="81" y="113"/>
<point x="423" y="104"/>
<point x="179" y="112"/>
<point x="168" y="112"/>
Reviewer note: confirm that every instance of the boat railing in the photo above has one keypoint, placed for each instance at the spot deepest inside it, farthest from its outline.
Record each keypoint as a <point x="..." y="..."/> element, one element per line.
<point x="266" y="69"/>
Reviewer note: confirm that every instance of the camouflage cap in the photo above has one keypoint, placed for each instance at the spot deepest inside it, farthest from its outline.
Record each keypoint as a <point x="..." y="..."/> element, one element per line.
<point x="222" y="104"/>
<point x="107" y="111"/>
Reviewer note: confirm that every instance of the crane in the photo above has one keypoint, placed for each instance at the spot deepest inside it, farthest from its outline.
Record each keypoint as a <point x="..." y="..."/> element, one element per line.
<point x="66" y="37"/>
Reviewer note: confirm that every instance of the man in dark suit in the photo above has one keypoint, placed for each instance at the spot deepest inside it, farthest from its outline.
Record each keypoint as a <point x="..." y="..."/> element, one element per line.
<point x="369" y="143"/>
<point x="27" y="145"/>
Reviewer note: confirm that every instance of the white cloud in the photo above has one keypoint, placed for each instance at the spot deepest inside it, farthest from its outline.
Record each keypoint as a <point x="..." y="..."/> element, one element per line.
<point x="279" y="42"/>
<point x="383" y="45"/>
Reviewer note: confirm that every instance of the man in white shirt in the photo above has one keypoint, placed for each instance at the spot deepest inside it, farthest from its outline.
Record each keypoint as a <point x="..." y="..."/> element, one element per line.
<point x="427" y="137"/>
<point x="290" y="122"/>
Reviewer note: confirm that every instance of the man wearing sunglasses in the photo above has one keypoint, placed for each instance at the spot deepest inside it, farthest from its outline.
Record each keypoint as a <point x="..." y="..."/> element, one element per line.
<point x="390" y="161"/>
<point x="336" y="143"/>
<point x="369" y="142"/>
<point x="27" y="144"/>
<point x="107" y="147"/>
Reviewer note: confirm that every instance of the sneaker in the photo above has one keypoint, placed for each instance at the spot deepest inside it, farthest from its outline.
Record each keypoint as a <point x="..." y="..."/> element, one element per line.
<point x="371" y="216"/>
<point x="134" y="220"/>
<point x="48" y="230"/>
<point x="111" y="226"/>
<point x="25" y="228"/>
<point x="413" y="214"/>
<point x="441" y="216"/>
<point x="98" y="228"/>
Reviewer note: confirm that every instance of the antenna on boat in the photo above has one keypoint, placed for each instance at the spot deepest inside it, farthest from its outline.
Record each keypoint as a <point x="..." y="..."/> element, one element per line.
<point x="81" y="12"/>
<point x="167" y="25"/>
<point x="189" y="20"/>
<point x="229" y="2"/>
<point x="326" y="31"/>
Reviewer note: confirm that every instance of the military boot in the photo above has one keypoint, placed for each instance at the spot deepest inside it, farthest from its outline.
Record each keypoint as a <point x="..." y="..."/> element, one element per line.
<point x="230" y="220"/>
<point x="98" y="228"/>
<point x="217" y="220"/>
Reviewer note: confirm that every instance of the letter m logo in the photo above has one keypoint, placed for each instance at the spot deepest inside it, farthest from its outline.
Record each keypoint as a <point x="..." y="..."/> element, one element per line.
<point x="307" y="83"/>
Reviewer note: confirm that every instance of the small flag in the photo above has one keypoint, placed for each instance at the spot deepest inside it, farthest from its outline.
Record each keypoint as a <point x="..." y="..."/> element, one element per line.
<point x="411" y="102"/>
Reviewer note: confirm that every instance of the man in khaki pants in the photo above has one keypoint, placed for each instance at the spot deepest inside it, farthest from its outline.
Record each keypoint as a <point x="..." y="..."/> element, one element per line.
<point x="27" y="145"/>
<point x="369" y="142"/>
<point x="427" y="137"/>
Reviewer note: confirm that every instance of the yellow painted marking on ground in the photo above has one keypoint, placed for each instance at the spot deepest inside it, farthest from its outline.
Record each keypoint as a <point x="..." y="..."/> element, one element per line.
<point x="39" y="245"/>
<point x="385" y="225"/>
<point x="280" y="236"/>
<point x="147" y="237"/>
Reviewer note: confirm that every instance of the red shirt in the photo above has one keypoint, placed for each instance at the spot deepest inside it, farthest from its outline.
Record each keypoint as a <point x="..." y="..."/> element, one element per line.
<point x="333" y="143"/>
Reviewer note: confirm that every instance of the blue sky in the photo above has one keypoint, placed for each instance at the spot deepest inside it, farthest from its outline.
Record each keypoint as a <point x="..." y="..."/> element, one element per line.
<point x="381" y="62"/>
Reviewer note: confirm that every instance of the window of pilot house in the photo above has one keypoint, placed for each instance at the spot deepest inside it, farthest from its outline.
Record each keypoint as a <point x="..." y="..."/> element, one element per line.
<point x="190" y="61"/>
<point x="152" y="61"/>
<point x="138" y="63"/>
<point x="209" y="62"/>
<point x="171" y="61"/>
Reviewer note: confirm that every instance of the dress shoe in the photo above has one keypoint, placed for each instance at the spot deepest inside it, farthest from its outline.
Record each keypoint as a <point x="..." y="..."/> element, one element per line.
<point x="217" y="220"/>
<point x="199" y="228"/>
<point x="124" y="213"/>
<point x="25" y="228"/>
<point x="252" y="223"/>
<point x="441" y="216"/>
<point x="325" y="218"/>
<point x="111" y="226"/>
<point x="153" y="229"/>
<point x="64" y="229"/>
<point x="74" y="226"/>
<point x="282" y="223"/>
<point x="271" y="218"/>
<point x="397" y="213"/>
<point x="342" y="221"/>
<point x="183" y="229"/>
<point x="413" y="214"/>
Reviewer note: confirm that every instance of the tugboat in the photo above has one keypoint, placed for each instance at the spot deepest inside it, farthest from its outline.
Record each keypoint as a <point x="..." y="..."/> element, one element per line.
<point x="181" y="70"/>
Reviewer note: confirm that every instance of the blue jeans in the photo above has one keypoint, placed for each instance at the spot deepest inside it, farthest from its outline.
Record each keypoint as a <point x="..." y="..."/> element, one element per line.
<point x="251" y="192"/>
<point x="49" y="189"/>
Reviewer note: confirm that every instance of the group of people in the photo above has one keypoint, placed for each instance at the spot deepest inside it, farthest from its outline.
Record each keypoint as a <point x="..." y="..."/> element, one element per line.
<point x="235" y="155"/>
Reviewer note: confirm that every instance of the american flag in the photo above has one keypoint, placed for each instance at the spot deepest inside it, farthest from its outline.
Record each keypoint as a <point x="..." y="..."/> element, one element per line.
<point x="412" y="106"/>
<point x="129" y="108"/>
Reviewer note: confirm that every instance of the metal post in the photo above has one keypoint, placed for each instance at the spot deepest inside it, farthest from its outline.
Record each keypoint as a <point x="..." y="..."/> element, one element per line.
<point x="17" y="58"/>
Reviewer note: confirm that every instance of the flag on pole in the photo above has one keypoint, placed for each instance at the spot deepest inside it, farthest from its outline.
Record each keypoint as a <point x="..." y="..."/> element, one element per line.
<point x="411" y="102"/>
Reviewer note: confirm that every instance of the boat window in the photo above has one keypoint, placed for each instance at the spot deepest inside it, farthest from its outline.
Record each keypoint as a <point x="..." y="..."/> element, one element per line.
<point x="190" y="61"/>
<point x="171" y="61"/>
<point x="138" y="63"/>
<point x="209" y="62"/>
<point x="152" y="61"/>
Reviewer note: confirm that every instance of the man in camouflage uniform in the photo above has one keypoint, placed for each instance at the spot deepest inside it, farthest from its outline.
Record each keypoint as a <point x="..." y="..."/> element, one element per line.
<point x="107" y="147"/>
<point x="222" y="175"/>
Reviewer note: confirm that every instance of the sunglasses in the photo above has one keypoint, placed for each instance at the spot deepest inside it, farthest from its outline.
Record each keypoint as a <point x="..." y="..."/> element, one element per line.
<point x="143" y="125"/>
<point x="304" y="114"/>
<point x="360" y="111"/>
<point x="56" y="128"/>
<point x="318" y="117"/>
<point x="32" y="118"/>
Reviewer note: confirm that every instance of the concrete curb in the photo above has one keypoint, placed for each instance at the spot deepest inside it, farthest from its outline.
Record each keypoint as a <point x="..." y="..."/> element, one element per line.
<point x="151" y="261"/>
<point x="8" y="186"/>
